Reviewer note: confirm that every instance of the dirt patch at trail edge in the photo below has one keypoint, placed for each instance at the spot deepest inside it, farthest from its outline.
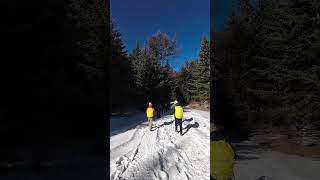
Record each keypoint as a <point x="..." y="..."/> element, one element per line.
<point x="198" y="106"/>
<point x="277" y="141"/>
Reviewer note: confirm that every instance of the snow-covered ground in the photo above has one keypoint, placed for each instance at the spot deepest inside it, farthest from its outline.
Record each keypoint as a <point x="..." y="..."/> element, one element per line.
<point x="137" y="153"/>
<point x="258" y="164"/>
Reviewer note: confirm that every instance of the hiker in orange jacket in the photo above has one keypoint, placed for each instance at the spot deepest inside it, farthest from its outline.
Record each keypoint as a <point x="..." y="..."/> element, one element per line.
<point x="150" y="114"/>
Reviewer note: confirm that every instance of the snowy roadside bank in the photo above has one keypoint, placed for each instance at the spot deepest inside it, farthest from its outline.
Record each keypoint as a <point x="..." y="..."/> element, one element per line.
<point x="256" y="163"/>
<point x="121" y="124"/>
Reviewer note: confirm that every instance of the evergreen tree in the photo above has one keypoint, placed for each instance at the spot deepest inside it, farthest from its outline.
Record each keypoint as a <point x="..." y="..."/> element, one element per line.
<point x="135" y="61"/>
<point x="204" y="65"/>
<point x="91" y="19"/>
<point x="120" y="74"/>
<point x="268" y="64"/>
<point x="185" y="81"/>
<point x="136" y="53"/>
<point x="153" y="78"/>
<point x="200" y="74"/>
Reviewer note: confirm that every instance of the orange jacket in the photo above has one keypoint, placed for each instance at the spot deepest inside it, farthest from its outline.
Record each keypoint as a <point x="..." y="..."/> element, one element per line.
<point x="150" y="112"/>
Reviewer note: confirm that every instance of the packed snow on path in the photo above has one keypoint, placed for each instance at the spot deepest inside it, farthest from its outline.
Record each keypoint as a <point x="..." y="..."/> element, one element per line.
<point x="137" y="153"/>
<point x="255" y="163"/>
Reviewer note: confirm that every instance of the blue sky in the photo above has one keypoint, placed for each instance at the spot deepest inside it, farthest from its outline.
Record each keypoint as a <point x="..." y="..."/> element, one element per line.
<point x="187" y="20"/>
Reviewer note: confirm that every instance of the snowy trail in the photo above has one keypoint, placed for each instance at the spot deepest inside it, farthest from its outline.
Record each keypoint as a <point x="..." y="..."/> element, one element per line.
<point x="258" y="164"/>
<point x="162" y="153"/>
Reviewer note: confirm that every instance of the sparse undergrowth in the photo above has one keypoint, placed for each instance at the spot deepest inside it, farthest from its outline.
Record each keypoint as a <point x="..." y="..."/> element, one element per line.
<point x="199" y="106"/>
<point x="277" y="140"/>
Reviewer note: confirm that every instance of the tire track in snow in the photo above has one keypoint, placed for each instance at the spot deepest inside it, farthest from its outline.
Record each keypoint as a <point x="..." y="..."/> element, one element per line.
<point x="169" y="150"/>
<point x="135" y="134"/>
<point x="199" y="153"/>
<point x="139" y="169"/>
<point x="123" y="162"/>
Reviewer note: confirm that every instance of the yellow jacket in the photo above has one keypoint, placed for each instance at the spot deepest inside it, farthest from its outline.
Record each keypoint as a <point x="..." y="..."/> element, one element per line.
<point x="178" y="112"/>
<point x="150" y="112"/>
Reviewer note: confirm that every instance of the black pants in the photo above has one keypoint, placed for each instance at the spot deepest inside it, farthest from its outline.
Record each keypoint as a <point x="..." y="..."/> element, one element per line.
<point x="178" y="122"/>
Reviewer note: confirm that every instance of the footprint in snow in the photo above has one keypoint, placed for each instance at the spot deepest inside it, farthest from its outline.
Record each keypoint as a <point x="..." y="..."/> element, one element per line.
<point x="163" y="175"/>
<point x="119" y="161"/>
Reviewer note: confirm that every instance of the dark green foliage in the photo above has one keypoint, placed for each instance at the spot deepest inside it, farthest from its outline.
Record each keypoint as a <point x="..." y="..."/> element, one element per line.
<point x="146" y="76"/>
<point x="92" y="44"/>
<point x="153" y="80"/>
<point x="185" y="80"/>
<point x="195" y="76"/>
<point x="141" y="76"/>
<point x="268" y="61"/>
<point x="91" y="19"/>
<point x="120" y="71"/>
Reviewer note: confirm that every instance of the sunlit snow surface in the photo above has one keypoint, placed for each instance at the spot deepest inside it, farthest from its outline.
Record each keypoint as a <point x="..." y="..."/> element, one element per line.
<point x="137" y="153"/>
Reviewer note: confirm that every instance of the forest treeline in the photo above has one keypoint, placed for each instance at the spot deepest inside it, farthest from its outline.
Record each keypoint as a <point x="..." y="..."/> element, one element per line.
<point x="145" y="74"/>
<point x="266" y="65"/>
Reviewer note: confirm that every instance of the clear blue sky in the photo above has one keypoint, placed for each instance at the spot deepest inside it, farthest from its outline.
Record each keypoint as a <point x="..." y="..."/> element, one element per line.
<point x="187" y="20"/>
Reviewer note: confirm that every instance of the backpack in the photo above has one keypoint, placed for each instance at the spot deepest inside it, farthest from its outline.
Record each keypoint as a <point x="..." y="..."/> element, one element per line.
<point x="150" y="112"/>
<point x="222" y="159"/>
<point x="178" y="112"/>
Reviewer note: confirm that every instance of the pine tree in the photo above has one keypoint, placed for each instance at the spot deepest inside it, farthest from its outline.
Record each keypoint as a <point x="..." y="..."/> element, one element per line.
<point x="184" y="81"/>
<point x="204" y="66"/>
<point x="200" y="70"/>
<point x="135" y="59"/>
<point x="148" y="76"/>
<point x="120" y="73"/>
<point x="91" y="19"/>
<point x="136" y="53"/>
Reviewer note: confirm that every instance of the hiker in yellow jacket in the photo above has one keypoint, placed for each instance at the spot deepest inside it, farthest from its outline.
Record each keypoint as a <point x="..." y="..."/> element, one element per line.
<point x="222" y="154"/>
<point x="150" y="114"/>
<point x="177" y="110"/>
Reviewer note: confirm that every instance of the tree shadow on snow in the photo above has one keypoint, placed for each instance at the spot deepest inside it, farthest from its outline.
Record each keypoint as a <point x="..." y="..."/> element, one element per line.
<point x="316" y="159"/>
<point x="245" y="147"/>
<point x="187" y="120"/>
<point x="242" y="157"/>
<point x="263" y="178"/>
<point x="189" y="126"/>
<point x="246" y="151"/>
<point x="165" y="124"/>
<point x="138" y="125"/>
